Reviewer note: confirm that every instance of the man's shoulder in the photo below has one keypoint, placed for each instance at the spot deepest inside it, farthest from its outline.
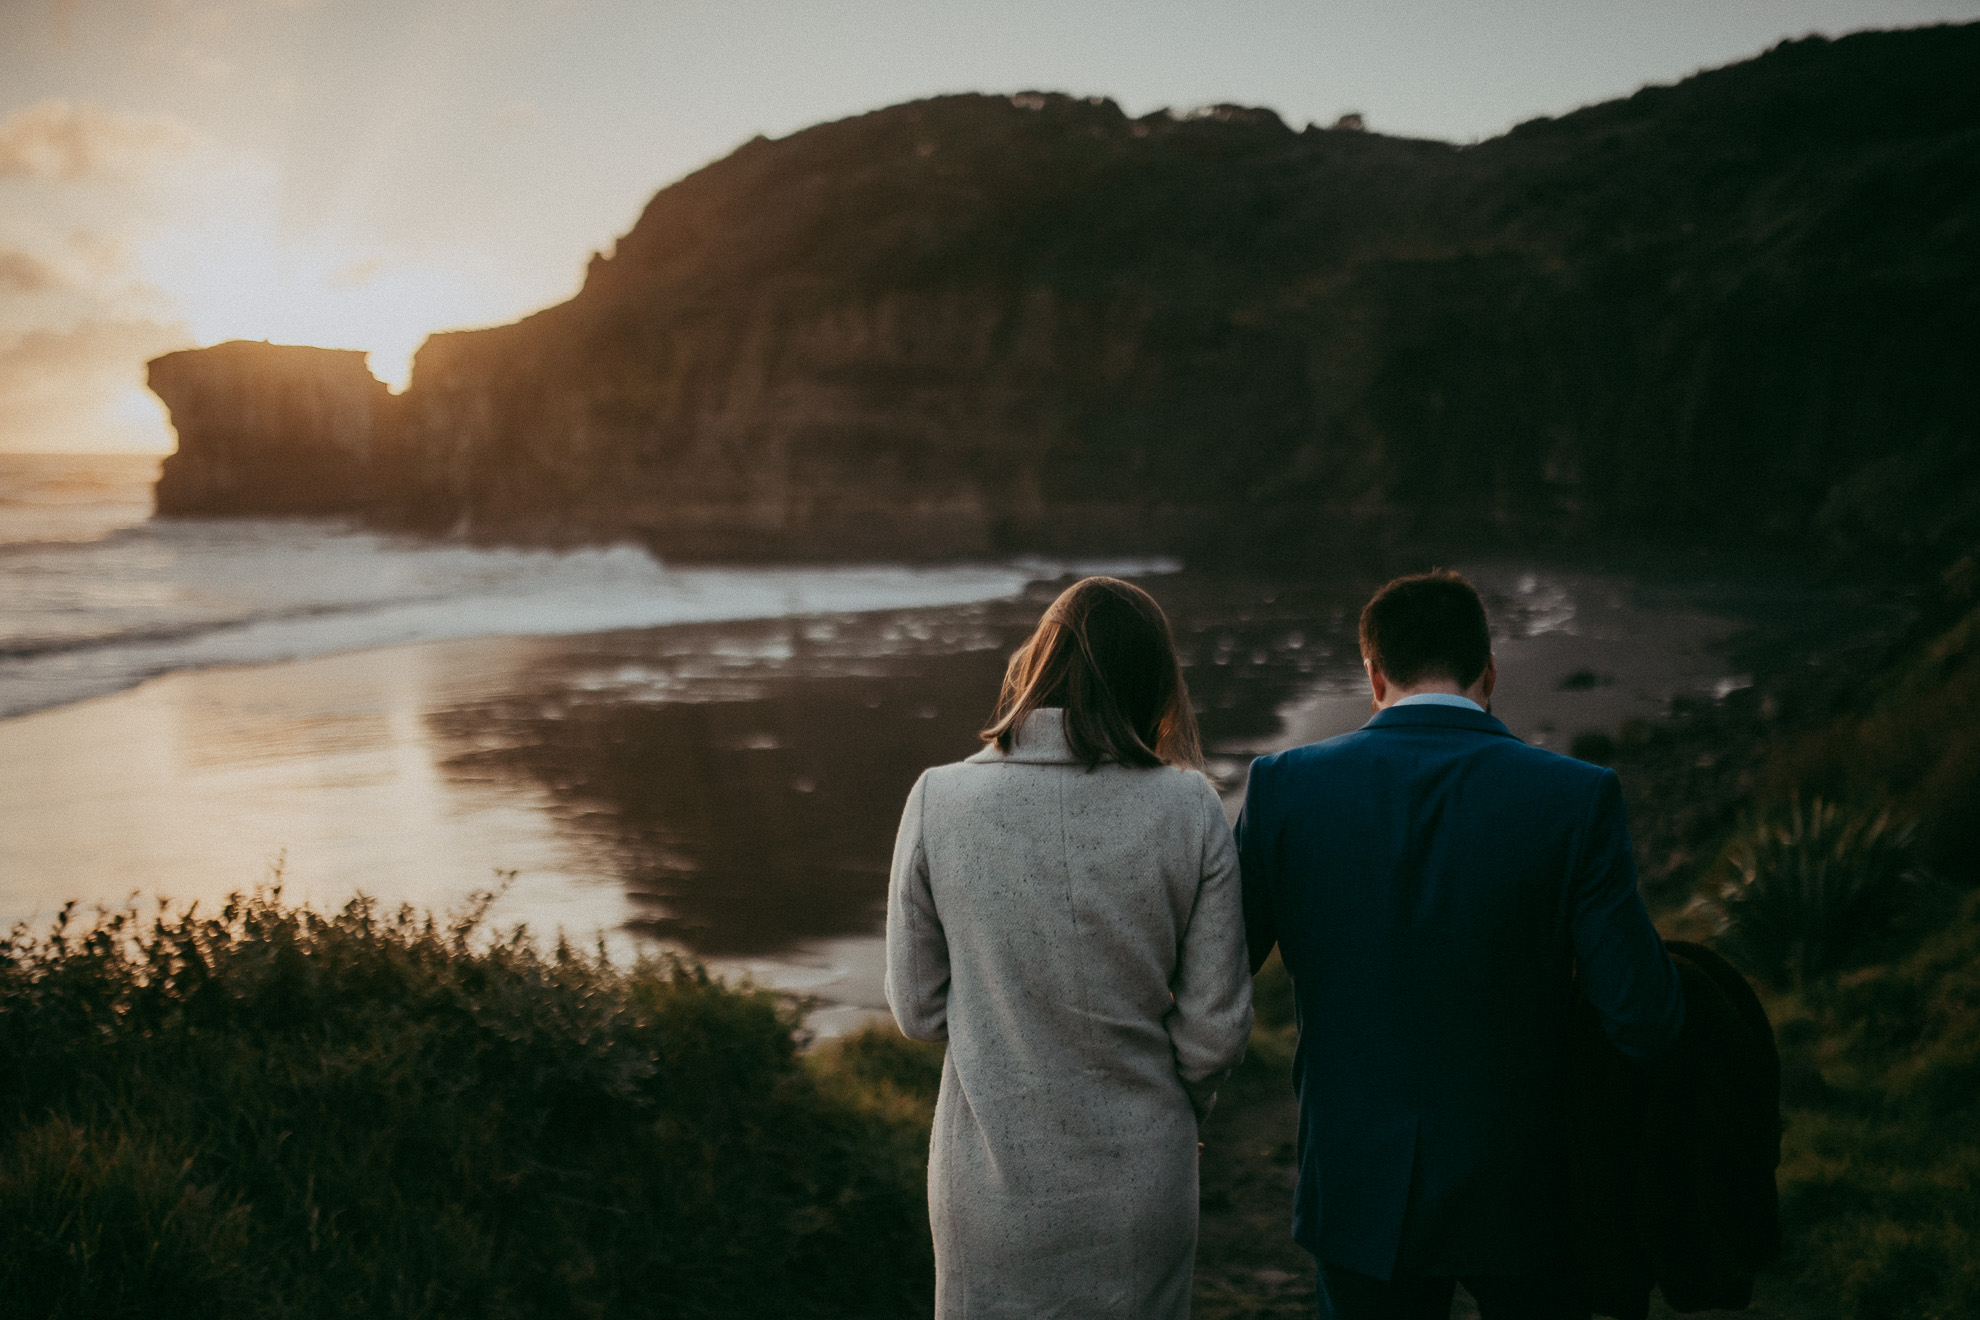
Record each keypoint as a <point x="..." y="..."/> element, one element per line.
<point x="1353" y="751"/>
<point x="1310" y="755"/>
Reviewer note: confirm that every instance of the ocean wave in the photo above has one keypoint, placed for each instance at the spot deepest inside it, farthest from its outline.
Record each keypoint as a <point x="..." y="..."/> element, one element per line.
<point x="30" y="647"/>
<point x="85" y="619"/>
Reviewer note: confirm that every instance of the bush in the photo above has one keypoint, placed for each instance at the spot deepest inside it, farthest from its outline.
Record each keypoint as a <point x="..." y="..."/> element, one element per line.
<point x="277" y="1112"/>
<point x="1818" y="887"/>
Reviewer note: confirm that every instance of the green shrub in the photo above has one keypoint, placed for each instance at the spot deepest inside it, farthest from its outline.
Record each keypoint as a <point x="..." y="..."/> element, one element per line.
<point x="1816" y="887"/>
<point x="880" y="1061"/>
<point x="277" y="1112"/>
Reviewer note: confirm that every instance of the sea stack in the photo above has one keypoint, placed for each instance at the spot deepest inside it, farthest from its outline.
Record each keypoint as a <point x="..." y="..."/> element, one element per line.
<point x="270" y="429"/>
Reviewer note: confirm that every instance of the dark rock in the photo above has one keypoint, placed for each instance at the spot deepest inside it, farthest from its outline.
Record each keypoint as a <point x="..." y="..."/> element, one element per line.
<point x="270" y="429"/>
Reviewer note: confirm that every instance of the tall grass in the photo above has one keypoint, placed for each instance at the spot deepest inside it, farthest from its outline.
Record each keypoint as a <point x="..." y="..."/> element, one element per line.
<point x="275" y="1112"/>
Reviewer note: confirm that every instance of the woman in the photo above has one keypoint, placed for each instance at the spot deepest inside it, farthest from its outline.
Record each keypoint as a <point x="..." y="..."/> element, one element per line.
<point x="1064" y="911"/>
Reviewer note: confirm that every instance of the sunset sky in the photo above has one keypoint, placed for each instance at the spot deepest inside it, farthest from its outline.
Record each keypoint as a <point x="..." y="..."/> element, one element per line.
<point x="359" y="173"/>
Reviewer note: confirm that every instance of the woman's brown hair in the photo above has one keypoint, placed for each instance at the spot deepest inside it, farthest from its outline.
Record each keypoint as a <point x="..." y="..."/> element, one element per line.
<point x="1103" y="652"/>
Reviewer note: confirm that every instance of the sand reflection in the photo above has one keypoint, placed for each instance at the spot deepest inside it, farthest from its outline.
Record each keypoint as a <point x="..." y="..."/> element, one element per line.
<point x="197" y="784"/>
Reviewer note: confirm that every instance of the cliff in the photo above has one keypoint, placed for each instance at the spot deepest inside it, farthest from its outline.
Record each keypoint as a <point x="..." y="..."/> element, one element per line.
<point x="1744" y="305"/>
<point x="270" y="429"/>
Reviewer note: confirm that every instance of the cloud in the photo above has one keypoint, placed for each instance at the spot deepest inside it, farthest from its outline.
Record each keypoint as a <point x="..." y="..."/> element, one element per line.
<point x="75" y="140"/>
<point x="72" y="390"/>
<point x="22" y="273"/>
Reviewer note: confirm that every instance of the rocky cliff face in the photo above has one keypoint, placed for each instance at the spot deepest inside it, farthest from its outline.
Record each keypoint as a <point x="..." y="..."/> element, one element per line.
<point x="270" y="429"/>
<point x="1742" y="305"/>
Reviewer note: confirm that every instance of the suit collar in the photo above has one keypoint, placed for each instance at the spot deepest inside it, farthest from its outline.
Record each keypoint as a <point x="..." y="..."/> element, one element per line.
<point x="1041" y="740"/>
<point x="1437" y="716"/>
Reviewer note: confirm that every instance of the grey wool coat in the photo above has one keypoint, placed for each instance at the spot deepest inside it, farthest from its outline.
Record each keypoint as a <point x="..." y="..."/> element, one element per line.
<point x="1077" y="937"/>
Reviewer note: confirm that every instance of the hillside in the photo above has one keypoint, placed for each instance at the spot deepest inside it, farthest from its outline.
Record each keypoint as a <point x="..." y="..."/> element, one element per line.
<point x="1745" y="305"/>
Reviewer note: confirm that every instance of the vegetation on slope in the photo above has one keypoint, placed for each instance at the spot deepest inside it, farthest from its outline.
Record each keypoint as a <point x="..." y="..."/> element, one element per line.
<point x="1824" y="828"/>
<point x="1881" y="1161"/>
<point x="1880" y="1172"/>
<point x="269" y="1112"/>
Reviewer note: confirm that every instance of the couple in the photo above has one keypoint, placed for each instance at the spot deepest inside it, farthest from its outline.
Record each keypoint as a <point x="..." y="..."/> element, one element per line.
<point x="1070" y="912"/>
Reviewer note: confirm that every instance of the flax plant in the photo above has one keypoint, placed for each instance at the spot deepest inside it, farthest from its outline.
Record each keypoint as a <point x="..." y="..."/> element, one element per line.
<point x="1816" y="886"/>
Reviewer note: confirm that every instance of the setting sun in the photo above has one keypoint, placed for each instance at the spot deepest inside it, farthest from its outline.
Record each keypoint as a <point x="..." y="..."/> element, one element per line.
<point x="240" y="276"/>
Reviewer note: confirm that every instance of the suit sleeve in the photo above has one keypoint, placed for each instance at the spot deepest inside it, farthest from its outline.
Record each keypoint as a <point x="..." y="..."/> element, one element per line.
<point x="1628" y="977"/>
<point x="1261" y="930"/>
<point x="1210" y="1023"/>
<point x="917" y="983"/>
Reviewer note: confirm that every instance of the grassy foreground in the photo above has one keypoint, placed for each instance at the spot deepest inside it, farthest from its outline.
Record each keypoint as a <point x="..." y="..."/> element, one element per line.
<point x="1880" y="1173"/>
<point x="271" y="1112"/>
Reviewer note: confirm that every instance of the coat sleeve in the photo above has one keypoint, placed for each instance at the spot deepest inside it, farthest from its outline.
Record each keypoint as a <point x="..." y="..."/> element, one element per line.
<point x="1624" y="970"/>
<point x="1261" y="929"/>
<point x="1211" y="1020"/>
<point x="917" y="982"/>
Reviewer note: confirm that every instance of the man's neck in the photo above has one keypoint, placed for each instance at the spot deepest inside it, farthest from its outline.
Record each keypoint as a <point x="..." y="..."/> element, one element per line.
<point x="1461" y="700"/>
<point x="1385" y="694"/>
<point x="1426" y="689"/>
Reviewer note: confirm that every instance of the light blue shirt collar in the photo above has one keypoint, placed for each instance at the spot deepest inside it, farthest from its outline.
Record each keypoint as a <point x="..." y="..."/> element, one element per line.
<point x="1438" y="699"/>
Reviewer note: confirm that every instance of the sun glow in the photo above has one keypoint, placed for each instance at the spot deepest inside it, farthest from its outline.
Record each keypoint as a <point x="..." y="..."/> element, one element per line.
<point x="235" y="266"/>
<point x="249" y="285"/>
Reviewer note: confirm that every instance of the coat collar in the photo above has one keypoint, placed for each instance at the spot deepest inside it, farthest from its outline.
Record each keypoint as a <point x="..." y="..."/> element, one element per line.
<point x="1438" y="716"/>
<point x="1041" y="740"/>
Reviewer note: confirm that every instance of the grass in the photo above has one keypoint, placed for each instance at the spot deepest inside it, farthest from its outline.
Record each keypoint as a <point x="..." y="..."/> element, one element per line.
<point x="273" y="1112"/>
<point x="1880" y="1173"/>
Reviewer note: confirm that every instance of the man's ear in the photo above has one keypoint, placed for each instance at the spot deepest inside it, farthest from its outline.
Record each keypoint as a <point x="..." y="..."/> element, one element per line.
<point x="1490" y="678"/>
<point x="1378" y="682"/>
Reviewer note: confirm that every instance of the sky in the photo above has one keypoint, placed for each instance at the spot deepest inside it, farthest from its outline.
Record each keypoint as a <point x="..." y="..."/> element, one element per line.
<point x="361" y="173"/>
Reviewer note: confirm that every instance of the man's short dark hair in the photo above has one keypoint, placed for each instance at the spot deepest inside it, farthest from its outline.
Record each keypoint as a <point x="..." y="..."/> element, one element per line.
<point x="1425" y="626"/>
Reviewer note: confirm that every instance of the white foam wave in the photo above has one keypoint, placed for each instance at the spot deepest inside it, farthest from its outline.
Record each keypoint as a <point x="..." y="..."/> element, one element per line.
<point x="82" y="620"/>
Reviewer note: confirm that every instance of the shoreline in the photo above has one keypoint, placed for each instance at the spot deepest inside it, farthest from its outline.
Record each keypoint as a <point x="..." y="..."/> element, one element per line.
<point x="579" y="760"/>
<point x="366" y="591"/>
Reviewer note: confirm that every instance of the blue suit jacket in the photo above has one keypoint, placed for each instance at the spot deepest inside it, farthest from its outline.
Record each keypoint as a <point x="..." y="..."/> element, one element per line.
<point x="1434" y="884"/>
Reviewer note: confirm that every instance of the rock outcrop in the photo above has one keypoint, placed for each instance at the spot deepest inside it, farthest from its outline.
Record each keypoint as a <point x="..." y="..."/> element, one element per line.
<point x="270" y="429"/>
<point x="1744" y="305"/>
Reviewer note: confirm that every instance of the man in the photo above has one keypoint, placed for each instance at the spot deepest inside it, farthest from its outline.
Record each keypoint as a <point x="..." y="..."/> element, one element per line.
<point x="1438" y="889"/>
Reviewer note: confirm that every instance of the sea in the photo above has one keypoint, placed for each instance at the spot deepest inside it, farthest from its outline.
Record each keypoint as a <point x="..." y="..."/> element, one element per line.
<point x="701" y="760"/>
